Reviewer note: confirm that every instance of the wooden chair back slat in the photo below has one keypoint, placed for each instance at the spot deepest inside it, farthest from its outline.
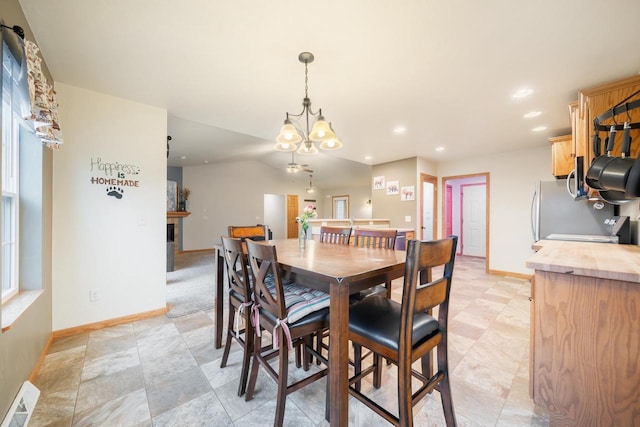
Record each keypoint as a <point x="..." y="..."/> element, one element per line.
<point x="382" y="238"/>
<point x="254" y="232"/>
<point x="422" y="258"/>
<point x="263" y="262"/>
<point x="338" y="235"/>
<point x="236" y="262"/>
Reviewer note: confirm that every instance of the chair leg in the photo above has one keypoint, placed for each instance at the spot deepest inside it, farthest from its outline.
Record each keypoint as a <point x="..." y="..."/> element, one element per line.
<point x="283" y="374"/>
<point x="377" y="371"/>
<point x="405" y="399"/>
<point x="227" y="344"/>
<point x="298" y="356"/>
<point x="388" y="286"/>
<point x="257" y="345"/>
<point x="246" y="358"/>
<point x="445" y="386"/>
<point x="307" y="357"/>
<point x="357" y="363"/>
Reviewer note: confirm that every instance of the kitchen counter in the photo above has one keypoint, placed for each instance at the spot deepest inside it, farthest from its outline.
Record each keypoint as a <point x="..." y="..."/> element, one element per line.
<point x="585" y="332"/>
<point x="600" y="260"/>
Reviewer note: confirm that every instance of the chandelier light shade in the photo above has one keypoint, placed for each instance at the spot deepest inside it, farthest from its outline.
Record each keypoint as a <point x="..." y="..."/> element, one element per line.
<point x="293" y="137"/>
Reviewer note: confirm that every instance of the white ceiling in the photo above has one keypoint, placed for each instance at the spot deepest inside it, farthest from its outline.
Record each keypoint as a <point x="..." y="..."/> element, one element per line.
<point x="227" y="71"/>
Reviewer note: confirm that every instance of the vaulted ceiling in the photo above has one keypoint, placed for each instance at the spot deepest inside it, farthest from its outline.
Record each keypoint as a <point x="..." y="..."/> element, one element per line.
<point x="444" y="70"/>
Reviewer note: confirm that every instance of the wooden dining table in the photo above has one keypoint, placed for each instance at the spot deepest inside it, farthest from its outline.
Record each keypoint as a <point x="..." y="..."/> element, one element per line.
<point x="339" y="270"/>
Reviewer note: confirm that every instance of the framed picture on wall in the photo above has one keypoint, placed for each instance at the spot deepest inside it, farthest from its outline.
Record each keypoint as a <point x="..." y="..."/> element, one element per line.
<point x="378" y="182"/>
<point x="408" y="193"/>
<point x="172" y="196"/>
<point x="393" y="188"/>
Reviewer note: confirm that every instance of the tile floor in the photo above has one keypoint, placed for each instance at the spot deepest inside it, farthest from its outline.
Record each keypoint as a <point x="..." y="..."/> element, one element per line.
<point x="166" y="372"/>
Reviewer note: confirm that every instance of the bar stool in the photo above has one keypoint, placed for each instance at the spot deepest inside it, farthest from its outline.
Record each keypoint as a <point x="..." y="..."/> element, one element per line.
<point x="404" y="333"/>
<point x="293" y="313"/>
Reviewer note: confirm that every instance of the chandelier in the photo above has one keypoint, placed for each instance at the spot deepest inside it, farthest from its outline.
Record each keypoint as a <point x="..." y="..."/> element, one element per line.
<point x="292" y="137"/>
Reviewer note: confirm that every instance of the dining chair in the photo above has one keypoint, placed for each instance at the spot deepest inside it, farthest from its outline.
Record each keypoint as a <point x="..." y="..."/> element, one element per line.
<point x="292" y="313"/>
<point x="240" y="303"/>
<point x="380" y="238"/>
<point x="405" y="332"/>
<point x="253" y="232"/>
<point x="338" y="235"/>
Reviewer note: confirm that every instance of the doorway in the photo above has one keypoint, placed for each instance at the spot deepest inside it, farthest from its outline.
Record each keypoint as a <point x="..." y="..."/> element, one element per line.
<point x="429" y="218"/>
<point x="275" y="215"/>
<point x="292" y="213"/>
<point x="465" y="207"/>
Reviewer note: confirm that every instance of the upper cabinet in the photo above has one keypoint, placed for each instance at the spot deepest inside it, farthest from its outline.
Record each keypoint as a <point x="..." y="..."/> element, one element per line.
<point x="595" y="101"/>
<point x="562" y="153"/>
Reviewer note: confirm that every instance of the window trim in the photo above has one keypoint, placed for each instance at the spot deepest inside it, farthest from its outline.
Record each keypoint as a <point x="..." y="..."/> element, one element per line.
<point x="11" y="188"/>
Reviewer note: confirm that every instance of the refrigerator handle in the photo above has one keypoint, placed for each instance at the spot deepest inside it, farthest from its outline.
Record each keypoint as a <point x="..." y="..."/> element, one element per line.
<point x="572" y="174"/>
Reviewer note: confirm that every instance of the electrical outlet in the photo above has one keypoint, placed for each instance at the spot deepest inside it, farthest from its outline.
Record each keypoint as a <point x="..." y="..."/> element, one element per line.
<point x="94" y="295"/>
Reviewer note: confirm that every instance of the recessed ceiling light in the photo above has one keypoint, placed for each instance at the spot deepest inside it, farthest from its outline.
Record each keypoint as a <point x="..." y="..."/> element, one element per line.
<point x="183" y="157"/>
<point x="522" y="93"/>
<point x="206" y="161"/>
<point x="440" y="148"/>
<point x="368" y="157"/>
<point x="539" y="128"/>
<point x="399" y="130"/>
<point x="532" y="114"/>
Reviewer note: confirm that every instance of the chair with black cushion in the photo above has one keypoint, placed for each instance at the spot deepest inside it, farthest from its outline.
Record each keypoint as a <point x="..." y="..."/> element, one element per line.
<point x="338" y="235"/>
<point x="380" y="238"/>
<point x="292" y="313"/>
<point x="240" y="302"/>
<point x="406" y="332"/>
<point x="253" y="232"/>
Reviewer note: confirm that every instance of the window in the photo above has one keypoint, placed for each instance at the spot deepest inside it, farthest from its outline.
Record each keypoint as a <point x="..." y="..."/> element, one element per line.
<point x="11" y="124"/>
<point x="340" y="207"/>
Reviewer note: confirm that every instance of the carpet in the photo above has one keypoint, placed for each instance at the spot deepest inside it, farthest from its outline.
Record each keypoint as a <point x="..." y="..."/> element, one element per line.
<point x="190" y="285"/>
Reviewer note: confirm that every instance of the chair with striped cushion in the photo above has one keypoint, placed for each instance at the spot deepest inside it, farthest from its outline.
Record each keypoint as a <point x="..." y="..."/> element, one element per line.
<point x="240" y="302"/>
<point x="292" y="313"/>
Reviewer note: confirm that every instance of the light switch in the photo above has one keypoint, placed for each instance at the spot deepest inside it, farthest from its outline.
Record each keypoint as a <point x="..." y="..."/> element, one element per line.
<point x="407" y="218"/>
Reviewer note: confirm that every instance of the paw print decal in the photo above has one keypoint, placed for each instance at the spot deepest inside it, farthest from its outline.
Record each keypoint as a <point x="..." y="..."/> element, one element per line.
<point x="115" y="192"/>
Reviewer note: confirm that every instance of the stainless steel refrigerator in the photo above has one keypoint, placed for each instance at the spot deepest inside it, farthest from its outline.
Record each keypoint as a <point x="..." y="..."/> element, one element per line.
<point x="555" y="213"/>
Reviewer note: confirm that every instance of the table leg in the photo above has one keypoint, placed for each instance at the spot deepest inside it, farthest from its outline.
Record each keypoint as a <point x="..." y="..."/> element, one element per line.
<point x="219" y="295"/>
<point x="339" y="354"/>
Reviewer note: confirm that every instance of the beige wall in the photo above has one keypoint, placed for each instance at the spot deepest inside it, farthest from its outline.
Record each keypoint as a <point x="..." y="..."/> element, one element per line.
<point x="21" y="345"/>
<point x="115" y="245"/>
<point x="511" y="181"/>
<point x="358" y="197"/>
<point x="391" y="207"/>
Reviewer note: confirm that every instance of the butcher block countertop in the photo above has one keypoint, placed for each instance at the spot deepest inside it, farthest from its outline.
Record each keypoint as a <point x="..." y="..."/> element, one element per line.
<point x="601" y="260"/>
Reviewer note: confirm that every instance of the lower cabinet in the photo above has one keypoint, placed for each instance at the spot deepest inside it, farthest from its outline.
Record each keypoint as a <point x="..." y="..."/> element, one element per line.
<point x="585" y="349"/>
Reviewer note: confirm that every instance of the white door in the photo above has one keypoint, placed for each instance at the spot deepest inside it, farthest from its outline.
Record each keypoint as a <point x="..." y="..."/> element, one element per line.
<point x="427" y="212"/>
<point x="275" y="215"/>
<point x="474" y="216"/>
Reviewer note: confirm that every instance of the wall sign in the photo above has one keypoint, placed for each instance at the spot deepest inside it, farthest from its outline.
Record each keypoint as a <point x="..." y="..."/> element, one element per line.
<point x="116" y="177"/>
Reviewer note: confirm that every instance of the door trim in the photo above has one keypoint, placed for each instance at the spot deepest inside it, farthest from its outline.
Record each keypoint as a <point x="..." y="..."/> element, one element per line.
<point x="487" y="182"/>
<point x="434" y="181"/>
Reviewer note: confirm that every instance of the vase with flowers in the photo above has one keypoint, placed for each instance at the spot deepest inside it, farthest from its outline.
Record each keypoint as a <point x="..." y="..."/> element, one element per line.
<point x="184" y="195"/>
<point x="308" y="212"/>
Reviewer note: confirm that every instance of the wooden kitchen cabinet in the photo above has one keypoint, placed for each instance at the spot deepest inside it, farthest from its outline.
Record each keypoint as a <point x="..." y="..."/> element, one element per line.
<point x="596" y="100"/>
<point x="561" y="155"/>
<point x="585" y="333"/>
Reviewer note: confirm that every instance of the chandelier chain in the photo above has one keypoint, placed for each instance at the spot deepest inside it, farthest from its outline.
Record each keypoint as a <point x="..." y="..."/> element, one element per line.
<point x="306" y="80"/>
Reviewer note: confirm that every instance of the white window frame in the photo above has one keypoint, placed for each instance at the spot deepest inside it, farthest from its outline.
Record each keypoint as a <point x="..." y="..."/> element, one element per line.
<point x="11" y="127"/>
